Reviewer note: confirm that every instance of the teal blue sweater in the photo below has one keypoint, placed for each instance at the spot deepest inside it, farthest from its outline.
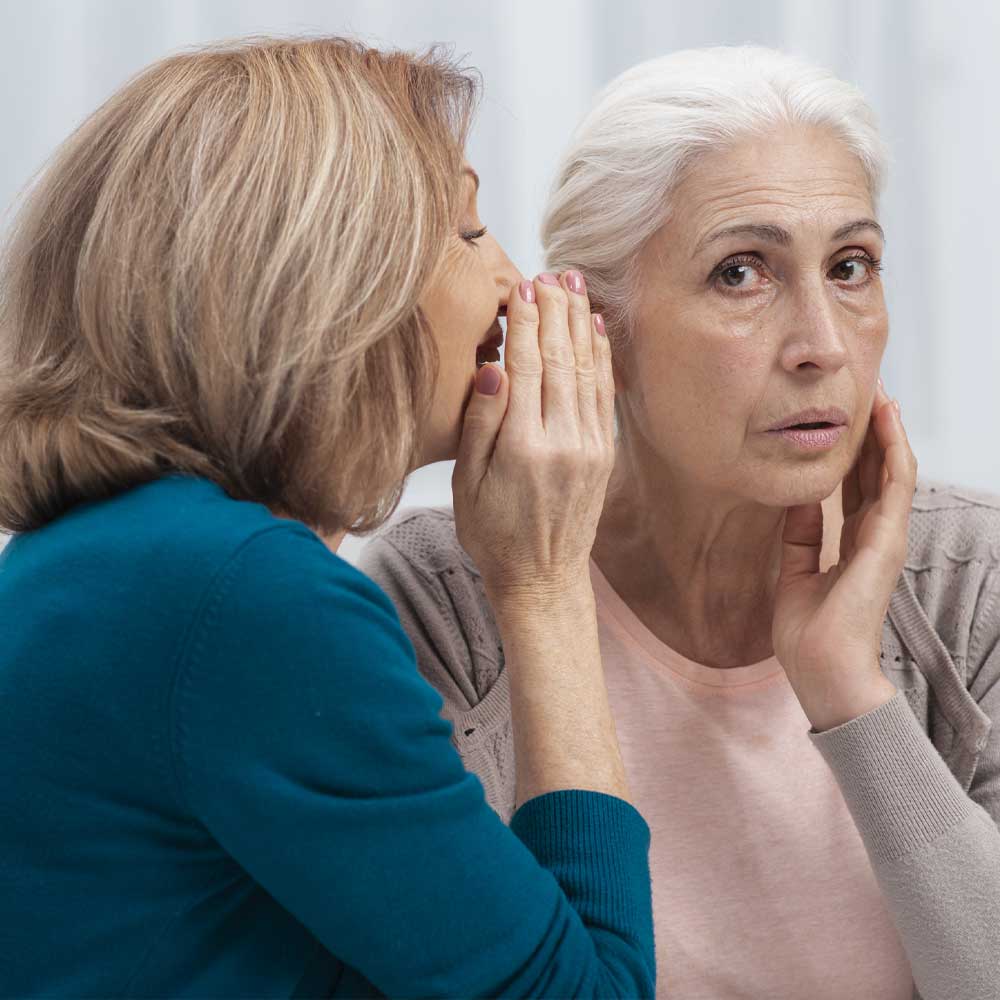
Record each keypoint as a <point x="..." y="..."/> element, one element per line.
<point x="222" y="775"/>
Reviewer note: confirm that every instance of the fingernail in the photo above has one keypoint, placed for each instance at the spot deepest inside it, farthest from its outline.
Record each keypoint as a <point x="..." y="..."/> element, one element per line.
<point x="599" y="323"/>
<point x="881" y="384"/>
<point x="575" y="282"/>
<point x="487" y="380"/>
<point x="548" y="279"/>
<point x="527" y="290"/>
<point x="895" y="403"/>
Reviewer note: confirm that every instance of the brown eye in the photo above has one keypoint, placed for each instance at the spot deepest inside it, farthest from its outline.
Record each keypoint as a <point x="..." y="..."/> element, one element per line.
<point x="850" y="270"/>
<point x="741" y="273"/>
<point x="737" y="275"/>
<point x="855" y="270"/>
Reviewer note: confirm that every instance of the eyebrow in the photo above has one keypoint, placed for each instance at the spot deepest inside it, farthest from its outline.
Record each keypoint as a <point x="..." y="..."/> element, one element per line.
<point x="473" y="175"/>
<point x="782" y="237"/>
<point x="858" y="226"/>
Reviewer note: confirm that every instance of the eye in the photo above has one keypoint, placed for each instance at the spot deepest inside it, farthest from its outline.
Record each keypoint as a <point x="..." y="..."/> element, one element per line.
<point x="739" y="273"/>
<point x="856" y="270"/>
<point x="470" y="236"/>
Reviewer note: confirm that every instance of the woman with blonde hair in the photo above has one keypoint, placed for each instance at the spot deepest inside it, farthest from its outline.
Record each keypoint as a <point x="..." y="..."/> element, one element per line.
<point x="245" y="300"/>
<point x="812" y="734"/>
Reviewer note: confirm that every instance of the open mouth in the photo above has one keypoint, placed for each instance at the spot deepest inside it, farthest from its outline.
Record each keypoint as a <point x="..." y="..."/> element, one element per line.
<point x="813" y="430"/>
<point x="489" y="350"/>
<point x="812" y="419"/>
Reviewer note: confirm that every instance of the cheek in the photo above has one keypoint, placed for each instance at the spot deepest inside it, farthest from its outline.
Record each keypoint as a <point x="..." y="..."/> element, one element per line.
<point x="867" y="347"/>
<point x="699" y="382"/>
<point x="454" y="381"/>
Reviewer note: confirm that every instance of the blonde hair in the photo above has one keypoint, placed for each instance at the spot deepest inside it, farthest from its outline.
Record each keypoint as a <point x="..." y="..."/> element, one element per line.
<point x="218" y="275"/>
<point x="646" y="131"/>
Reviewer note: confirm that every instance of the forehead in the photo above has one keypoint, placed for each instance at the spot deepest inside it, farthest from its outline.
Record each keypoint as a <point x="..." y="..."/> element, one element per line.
<point x="792" y="177"/>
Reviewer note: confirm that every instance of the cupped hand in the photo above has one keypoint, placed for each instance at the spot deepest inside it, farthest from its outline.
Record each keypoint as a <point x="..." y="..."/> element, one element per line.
<point x="827" y="626"/>
<point x="535" y="457"/>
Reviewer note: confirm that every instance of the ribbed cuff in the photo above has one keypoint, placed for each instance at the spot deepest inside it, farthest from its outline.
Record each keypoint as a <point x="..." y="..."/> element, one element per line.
<point x="899" y="791"/>
<point x="597" y="846"/>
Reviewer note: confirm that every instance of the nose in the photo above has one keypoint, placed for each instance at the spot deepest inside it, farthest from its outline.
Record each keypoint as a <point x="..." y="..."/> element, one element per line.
<point x="816" y="340"/>
<point x="505" y="275"/>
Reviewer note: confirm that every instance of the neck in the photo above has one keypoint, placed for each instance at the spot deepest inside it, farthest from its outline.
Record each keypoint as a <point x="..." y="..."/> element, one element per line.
<point x="699" y="570"/>
<point x="332" y="542"/>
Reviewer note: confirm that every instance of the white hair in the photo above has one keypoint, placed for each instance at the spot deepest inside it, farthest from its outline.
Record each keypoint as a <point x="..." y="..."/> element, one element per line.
<point x="613" y="187"/>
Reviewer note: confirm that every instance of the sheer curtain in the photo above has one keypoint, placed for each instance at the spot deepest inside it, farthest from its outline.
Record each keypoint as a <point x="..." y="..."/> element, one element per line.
<point x="929" y="70"/>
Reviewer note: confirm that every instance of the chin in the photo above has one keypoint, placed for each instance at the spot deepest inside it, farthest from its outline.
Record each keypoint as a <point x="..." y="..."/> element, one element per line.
<point x="802" y="485"/>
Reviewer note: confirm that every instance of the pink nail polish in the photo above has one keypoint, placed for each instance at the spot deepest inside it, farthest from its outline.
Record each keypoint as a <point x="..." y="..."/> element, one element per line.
<point x="575" y="282"/>
<point x="599" y="323"/>
<point x="548" y="279"/>
<point x="488" y="380"/>
<point x="527" y="290"/>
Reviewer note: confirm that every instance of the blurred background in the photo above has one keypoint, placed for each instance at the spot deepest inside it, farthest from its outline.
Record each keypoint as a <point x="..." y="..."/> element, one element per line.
<point x="929" y="69"/>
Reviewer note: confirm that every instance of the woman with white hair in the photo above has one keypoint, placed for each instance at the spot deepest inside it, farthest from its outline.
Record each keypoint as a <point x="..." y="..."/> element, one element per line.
<point x="817" y="755"/>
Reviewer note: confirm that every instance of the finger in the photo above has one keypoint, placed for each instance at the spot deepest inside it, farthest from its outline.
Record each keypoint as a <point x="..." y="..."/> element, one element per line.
<point x="484" y="416"/>
<point x="522" y="358"/>
<point x="605" y="380"/>
<point x="559" y="403"/>
<point x="850" y="491"/>
<point x="851" y="502"/>
<point x="801" y="541"/>
<point x="870" y="466"/>
<point x="581" y="331"/>
<point x="900" y="463"/>
<point x="881" y="399"/>
<point x="881" y="396"/>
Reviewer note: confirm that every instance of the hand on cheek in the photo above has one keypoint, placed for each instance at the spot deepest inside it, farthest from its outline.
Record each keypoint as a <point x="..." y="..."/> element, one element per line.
<point x="827" y="625"/>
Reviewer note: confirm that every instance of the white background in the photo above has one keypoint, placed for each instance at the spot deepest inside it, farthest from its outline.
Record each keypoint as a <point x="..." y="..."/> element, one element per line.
<point x="930" y="70"/>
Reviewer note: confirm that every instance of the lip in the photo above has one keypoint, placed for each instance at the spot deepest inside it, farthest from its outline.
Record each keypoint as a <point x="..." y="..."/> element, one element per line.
<point x="817" y="439"/>
<point x="834" y="420"/>
<point x="829" y="415"/>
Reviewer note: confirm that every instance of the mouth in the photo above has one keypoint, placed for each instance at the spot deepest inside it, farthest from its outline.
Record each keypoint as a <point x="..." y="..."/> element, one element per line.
<point x="813" y="429"/>
<point x="488" y="350"/>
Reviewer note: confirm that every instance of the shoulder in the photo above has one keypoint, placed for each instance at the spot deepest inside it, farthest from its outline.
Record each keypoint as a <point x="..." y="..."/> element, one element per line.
<point x="420" y="563"/>
<point x="953" y="568"/>
<point x="951" y="526"/>
<point x="239" y="588"/>
<point x="162" y="551"/>
<point x="281" y="583"/>
<point x="439" y="595"/>
<point x="423" y="538"/>
<point x="288" y="631"/>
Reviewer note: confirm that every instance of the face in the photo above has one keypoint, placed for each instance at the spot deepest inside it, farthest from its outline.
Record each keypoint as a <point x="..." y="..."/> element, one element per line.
<point x="760" y="306"/>
<point x="462" y="307"/>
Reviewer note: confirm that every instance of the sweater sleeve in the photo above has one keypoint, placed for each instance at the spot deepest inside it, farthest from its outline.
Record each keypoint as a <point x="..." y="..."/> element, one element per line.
<point x="934" y="848"/>
<point x="309" y="746"/>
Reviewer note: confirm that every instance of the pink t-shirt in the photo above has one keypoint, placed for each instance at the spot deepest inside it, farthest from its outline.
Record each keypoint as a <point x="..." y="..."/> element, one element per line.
<point x="761" y="883"/>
